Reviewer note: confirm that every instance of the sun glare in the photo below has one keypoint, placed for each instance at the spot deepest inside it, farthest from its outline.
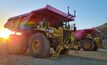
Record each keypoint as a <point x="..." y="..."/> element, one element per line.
<point x="4" y="33"/>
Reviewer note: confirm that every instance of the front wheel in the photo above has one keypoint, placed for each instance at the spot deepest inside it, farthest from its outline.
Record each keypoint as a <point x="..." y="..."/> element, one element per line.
<point x="88" y="44"/>
<point x="39" y="45"/>
<point x="16" y="45"/>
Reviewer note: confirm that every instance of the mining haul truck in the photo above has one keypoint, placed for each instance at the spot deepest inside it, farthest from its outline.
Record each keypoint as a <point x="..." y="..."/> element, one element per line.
<point x="89" y="39"/>
<point x="44" y="32"/>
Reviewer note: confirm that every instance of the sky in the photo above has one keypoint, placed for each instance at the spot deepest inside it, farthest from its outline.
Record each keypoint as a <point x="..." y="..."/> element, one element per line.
<point x="89" y="13"/>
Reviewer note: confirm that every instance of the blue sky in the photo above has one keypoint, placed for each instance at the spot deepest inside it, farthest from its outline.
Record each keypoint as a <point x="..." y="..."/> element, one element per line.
<point x="90" y="13"/>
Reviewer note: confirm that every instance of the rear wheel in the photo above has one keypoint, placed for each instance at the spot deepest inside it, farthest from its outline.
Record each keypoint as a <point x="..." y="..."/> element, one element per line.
<point x="88" y="44"/>
<point x="39" y="45"/>
<point x="16" y="45"/>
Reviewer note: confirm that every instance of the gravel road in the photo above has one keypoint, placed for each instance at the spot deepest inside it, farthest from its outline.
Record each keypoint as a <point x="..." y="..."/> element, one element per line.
<point x="62" y="60"/>
<point x="82" y="58"/>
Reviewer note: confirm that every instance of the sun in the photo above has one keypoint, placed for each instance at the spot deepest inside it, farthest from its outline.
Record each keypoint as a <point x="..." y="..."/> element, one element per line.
<point x="4" y="33"/>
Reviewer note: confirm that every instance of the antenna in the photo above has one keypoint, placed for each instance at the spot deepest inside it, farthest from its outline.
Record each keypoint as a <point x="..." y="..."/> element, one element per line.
<point x="74" y="13"/>
<point x="68" y="11"/>
<point x="70" y="14"/>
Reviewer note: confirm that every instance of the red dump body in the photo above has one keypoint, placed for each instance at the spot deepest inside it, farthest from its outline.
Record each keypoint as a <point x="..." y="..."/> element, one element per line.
<point x="52" y="14"/>
<point x="81" y="33"/>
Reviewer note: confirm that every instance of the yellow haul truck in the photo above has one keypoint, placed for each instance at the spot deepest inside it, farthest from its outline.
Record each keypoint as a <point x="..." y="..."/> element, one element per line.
<point x="41" y="33"/>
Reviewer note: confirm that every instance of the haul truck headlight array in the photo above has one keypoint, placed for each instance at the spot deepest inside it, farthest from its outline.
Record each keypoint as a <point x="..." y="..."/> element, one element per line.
<point x="5" y="33"/>
<point x="16" y="33"/>
<point x="51" y="30"/>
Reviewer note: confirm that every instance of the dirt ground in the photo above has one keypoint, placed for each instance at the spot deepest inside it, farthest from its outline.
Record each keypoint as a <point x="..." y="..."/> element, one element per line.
<point x="101" y="54"/>
<point x="62" y="60"/>
<point x="72" y="58"/>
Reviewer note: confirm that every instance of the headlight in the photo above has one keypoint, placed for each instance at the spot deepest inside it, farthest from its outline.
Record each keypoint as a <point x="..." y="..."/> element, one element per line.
<point x="50" y="30"/>
<point x="18" y="33"/>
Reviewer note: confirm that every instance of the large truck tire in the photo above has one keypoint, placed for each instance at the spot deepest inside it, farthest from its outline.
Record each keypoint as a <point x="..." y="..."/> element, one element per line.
<point x="39" y="45"/>
<point x="88" y="44"/>
<point x="16" y="45"/>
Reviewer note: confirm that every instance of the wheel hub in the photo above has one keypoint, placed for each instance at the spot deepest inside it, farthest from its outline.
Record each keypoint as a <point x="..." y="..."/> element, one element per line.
<point x="86" y="45"/>
<point x="35" y="45"/>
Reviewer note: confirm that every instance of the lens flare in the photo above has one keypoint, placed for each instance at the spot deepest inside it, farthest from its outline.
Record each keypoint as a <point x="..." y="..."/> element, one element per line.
<point x="4" y="33"/>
